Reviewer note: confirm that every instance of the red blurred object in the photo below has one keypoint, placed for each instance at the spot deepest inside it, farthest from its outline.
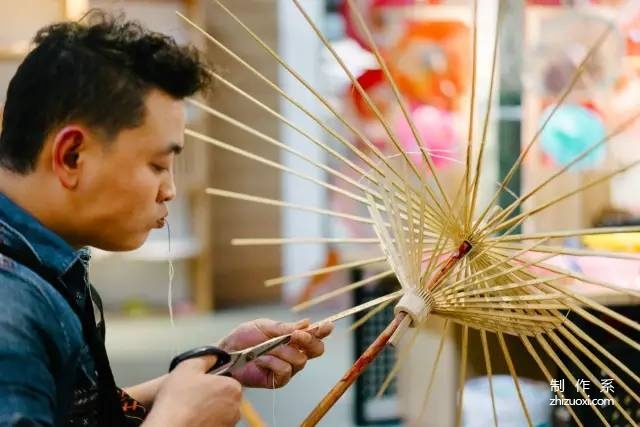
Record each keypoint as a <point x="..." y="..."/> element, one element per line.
<point x="591" y="106"/>
<point x="369" y="80"/>
<point x="431" y="62"/>
<point x="631" y="31"/>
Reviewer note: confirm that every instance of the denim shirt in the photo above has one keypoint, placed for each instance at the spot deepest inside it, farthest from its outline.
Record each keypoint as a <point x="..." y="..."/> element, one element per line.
<point x="48" y="371"/>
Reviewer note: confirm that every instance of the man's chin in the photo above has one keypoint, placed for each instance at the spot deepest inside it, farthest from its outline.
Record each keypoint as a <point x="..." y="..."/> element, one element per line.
<point x="123" y="245"/>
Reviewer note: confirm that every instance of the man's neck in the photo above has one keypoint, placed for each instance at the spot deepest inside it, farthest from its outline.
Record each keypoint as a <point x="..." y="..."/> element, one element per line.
<point x="34" y="194"/>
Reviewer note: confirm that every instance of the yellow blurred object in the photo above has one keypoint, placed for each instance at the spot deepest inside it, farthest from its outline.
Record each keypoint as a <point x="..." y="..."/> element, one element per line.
<point x="616" y="242"/>
<point x="250" y="415"/>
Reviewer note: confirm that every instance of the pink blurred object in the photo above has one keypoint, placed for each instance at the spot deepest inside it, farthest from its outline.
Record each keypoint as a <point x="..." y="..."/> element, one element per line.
<point x="437" y="130"/>
<point x="620" y="272"/>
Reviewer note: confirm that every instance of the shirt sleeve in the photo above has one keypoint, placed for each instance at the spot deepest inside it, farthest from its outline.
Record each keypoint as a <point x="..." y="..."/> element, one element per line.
<point x="133" y="410"/>
<point x="29" y="347"/>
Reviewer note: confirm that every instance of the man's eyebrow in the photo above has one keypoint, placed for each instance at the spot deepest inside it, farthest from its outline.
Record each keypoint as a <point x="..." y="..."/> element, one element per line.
<point x="174" y="148"/>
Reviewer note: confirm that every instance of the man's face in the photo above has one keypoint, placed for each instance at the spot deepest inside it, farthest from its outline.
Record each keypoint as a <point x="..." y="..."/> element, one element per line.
<point x="126" y="184"/>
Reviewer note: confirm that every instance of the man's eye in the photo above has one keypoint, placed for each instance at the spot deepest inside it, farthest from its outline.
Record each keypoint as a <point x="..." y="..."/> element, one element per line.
<point x="158" y="168"/>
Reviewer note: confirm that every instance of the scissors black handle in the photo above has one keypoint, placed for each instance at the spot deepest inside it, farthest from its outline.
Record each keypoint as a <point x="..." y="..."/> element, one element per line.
<point x="222" y="357"/>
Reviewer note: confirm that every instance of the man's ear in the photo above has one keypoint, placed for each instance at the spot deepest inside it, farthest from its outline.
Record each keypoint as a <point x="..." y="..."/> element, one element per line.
<point x="68" y="144"/>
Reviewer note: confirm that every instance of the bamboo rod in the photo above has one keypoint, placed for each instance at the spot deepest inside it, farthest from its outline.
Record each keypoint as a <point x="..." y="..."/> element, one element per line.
<point x="547" y="348"/>
<point x="565" y="233"/>
<point x="340" y="291"/>
<point x="345" y="266"/>
<point x="508" y="316"/>
<point x="560" y="250"/>
<point x="583" y="278"/>
<point x="607" y="328"/>
<point x="356" y="84"/>
<point x="279" y="203"/>
<point x="432" y="376"/>
<point x="462" y="375"/>
<point x="398" y="96"/>
<point x="362" y="307"/>
<point x="469" y="154"/>
<point x="527" y="148"/>
<point x="514" y="375"/>
<point x="512" y="328"/>
<point x="352" y="374"/>
<point x="462" y="307"/>
<point x="364" y="319"/>
<point x="596" y="360"/>
<point x="579" y="332"/>
<point x="518" y="219"/>
<point x="505" y="298"/>
<point x="591" y="318"/>
<point x="608" y="138"/>
<point x="455" y="287"/>
<point x="378" y="345"/>
<point x="485" y="126"/>
<point x="549" y="378"/>
<point x="300" y="241"/>
<point x="499" y="288"/>
<point x="428" y="211"/>
<point x="315" y="141"/>
<point x="399" y="363"/>
<point x="487" y="362"/>
<point x="310" y="88"/>
<point x="598" y="307"/>
<point x="484" y="250"/>
<point x="280" y="144"/>
<point x="566" y="350"/>
<point x="281" y="92"/>
<point x="273" y="164"/>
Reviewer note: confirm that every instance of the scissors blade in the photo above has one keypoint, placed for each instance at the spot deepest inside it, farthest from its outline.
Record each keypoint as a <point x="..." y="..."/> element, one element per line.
<point x="265" y="347"/>
<point x="242" y="357"/>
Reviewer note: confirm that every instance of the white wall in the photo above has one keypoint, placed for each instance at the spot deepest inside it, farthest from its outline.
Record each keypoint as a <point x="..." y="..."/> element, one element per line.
<point x="300" y="47"/>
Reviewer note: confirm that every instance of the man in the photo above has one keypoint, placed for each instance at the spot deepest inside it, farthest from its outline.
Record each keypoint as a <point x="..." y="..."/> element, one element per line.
<point x="92" y="122"/>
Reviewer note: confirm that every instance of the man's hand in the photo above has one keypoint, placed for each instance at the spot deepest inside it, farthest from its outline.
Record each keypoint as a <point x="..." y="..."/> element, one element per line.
<point x="189" y="397"/>
<point x="277" y="367"/>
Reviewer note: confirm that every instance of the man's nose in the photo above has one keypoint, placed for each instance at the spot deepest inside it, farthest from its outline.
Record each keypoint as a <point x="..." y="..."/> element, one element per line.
<point x="167" y="191"/>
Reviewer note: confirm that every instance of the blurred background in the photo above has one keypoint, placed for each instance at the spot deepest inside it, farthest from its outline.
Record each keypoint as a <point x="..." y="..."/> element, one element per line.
<point x="214" y="285"/>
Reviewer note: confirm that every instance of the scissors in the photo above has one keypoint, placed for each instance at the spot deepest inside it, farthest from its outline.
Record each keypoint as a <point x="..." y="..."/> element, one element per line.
<point x="228" y="362"/>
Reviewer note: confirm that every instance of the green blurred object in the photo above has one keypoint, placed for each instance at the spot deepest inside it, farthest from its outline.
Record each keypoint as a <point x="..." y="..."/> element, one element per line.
<point x="136" y="307"/>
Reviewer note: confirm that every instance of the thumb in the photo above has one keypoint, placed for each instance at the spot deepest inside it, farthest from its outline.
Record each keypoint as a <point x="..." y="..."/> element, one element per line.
<point x="198" y="365"/>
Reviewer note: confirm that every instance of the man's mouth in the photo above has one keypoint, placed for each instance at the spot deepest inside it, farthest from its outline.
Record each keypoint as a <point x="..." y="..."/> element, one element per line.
<point x="161" y="222"/>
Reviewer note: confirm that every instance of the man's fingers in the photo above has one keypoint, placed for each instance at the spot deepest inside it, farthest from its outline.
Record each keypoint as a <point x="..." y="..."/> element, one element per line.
<point x="281" y="371"/>
<point x="271" y="328"/>
<point x="296" y="358"/>
<point x="324" y="330"/>
<point x="228" y="386"/>
<point x="198" y="364"/>
<point x="312" y="346"/>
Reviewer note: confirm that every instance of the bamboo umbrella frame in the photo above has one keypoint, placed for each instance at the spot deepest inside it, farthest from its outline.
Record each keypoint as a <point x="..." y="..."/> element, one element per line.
<point x="452" y="257"/>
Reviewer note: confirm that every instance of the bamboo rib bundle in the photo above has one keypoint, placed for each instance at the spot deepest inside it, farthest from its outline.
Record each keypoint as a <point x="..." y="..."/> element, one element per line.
<point x="452" y="258"/>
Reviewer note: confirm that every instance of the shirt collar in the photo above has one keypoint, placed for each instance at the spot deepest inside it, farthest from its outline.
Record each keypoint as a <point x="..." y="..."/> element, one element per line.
<point x="23" y="235"/>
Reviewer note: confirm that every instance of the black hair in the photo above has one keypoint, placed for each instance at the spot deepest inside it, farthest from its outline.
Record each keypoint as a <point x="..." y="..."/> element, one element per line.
<point x="97" y="71"/>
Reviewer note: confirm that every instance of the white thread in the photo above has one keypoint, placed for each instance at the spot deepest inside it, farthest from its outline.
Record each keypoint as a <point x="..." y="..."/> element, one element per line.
<point x="171" y="273"/>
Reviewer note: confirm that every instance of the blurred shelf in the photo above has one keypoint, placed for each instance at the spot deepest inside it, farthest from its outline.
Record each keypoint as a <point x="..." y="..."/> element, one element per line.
<point x="14" y="51"/>
<point x="156" y="251"/>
